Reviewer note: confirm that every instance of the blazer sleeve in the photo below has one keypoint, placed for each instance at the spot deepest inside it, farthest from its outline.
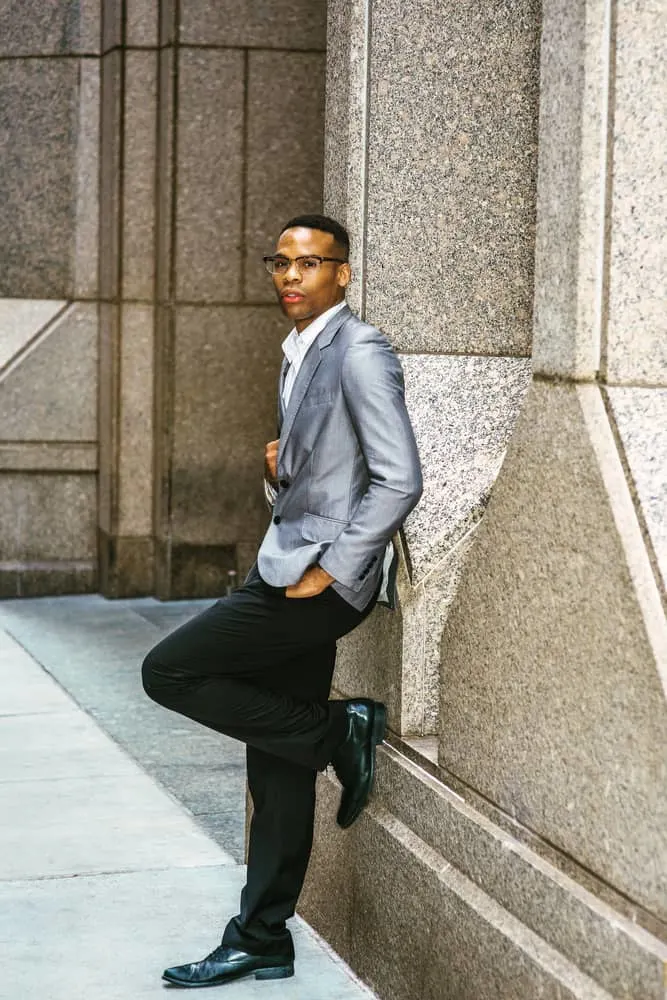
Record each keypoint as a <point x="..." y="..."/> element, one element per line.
<point x="373" y="386"/>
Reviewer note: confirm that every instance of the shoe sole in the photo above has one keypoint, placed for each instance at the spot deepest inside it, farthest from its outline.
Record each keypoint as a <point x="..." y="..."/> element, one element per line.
<point x="377" y="735"/>
<point x="277" y="972"/>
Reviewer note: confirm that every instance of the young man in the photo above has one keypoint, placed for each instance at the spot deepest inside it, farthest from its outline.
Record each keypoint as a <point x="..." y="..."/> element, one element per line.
<point x="258" y="665"/>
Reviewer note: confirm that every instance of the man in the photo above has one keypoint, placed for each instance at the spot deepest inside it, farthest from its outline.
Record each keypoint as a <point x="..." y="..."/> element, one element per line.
<point x="258" y="665"/>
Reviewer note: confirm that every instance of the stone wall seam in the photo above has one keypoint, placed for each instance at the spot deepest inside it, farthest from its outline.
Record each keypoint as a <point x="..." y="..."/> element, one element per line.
<point x="35" y="341"/>
<point x="630" y="533"/>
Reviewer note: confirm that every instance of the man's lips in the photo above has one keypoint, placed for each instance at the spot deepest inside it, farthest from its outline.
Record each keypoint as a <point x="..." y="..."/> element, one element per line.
<point x="291" y="296"/>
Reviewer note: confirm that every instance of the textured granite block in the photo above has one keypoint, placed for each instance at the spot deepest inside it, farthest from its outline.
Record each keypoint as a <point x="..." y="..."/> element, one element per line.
<point x="292" y="24"/>
<point x="139" y="153"/>
<point x="108" y="415"/>
<point x="110" y="175"/>
<point x="112" y="24"/>
<point x="135" y="422"/>
<point x="126" y="565"/>
<point x="208" y="213"/>
<point x="463" y="411"/>
<point x="446" y="938"/>
<point x="38" y="114"/>
<point x="41" y="578"/>
<point x="51" y="394"/>
<point x="637" y="327"/>
<point x="86" y="264"/>
<point x="641" y="418"/>
<point x="47" y="518"/>
<point x="57" y="28"/>
<point x="226" y="366"/>
<point x="560" y="721"/>
<point x="609" y="947"/>
<point x="368" y="662"/>
<point x="48" y="457"/>
<point x="452" y="158"/>
<point x="345" y="132"/>
<point x="284" y="154"/>
<point x="330" y="864"/>
<point x="141" y="27"/>
<point x="165" y="170"/>
<point x="20" y="321"/>
<point x="572" y="135"/>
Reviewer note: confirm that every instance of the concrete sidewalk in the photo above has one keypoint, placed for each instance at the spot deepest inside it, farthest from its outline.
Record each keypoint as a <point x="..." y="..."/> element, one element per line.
<point x="105" y="876"/>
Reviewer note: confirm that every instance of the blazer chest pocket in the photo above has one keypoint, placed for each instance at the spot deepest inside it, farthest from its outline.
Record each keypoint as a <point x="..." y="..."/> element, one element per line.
<point x="321" y="529"/>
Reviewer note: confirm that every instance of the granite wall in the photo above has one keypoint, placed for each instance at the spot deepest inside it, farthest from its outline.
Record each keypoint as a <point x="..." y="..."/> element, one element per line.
<point x="516" y="843"/>
<point x="49" y="128"/>
<point x="150" y="152"/>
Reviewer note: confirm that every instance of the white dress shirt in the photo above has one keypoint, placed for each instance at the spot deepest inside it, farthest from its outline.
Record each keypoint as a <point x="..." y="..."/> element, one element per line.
<point x="295" y="347"/>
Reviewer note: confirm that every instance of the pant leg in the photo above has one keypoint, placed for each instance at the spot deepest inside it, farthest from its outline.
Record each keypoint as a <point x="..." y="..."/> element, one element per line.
<point x="211" y="670"/>
<point x="281" y="828"/>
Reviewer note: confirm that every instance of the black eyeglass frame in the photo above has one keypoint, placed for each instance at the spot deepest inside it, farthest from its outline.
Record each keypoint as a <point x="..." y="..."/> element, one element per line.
<point x="269" y="258"/>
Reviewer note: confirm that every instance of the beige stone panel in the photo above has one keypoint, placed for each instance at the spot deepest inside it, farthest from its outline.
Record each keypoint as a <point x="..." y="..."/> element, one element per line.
<point x="43" y="457"/>
<point x="47" y="517"/>
<point x="21" y="320"/>
<point x="285" y="140"/>
<point x="51" y="395"/>
<point x="164" y="248"/>
<point x="139" y="151"/>
<point x="86" y="253"/>
<point x="209" y="175"/>
<point x="135" y="445"/>
<point x="108" y="415"/>
<point x="636" y="346"/>
<point x="141" y="26"/>
<point x="368" y="662"/>
<point x="571" y="188"/>
<point x="552" y="704"/>
<point x="56" y="28"/>
<point x="452" y="161"/>
<point x="292" y="24"/>
<point x="110" y="174"/>
<point x="226" y="363"/>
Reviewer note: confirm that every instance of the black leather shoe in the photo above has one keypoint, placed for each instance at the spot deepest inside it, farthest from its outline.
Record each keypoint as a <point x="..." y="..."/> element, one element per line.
<point x="225" y="964"/>
<point x="354" y="760"/>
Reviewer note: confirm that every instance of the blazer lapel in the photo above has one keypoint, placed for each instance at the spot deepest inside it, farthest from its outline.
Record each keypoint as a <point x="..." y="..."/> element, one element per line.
<point x="281" y="385"/>
<point x="310" y="365"/>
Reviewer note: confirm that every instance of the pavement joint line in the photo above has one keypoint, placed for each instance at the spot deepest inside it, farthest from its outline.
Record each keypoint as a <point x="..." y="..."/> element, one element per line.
<point x="104" y="873"/>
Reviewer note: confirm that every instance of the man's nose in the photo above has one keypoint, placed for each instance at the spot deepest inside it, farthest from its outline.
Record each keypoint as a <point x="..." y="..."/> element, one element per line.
<point x="293" y="271"/>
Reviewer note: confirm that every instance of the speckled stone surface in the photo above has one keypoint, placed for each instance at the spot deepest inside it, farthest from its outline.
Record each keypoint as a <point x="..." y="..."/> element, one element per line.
<point x="552" y="703"/>
<point x="291" y="24"/>
<point x="47" y="518"/>
<point x="51" y="395"/>
<point x="139" y="175"/>
<point x="637" y="329"/>
<point x="86" y="262"/>
<point x="345" y="162"/>
<point x="110" y="174"/>
<point x="208" y="212"/>
<point x="135" y="456"/>
<point x="452" y="164"/>
<point x="218" y="451"/>
<point x="38" y="114"/>
<point x="283" y="176"/>
<point x="56" y="28"/>
<point x="141" y="26"/>
<point x="641" y="418"/>
<point x="571" y="179"/>
<point x="21" y="320"/>
<point x="463" y="411"/>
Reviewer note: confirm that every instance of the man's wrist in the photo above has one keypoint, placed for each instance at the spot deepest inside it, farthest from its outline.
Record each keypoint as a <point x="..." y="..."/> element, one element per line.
<point x="323" y="573"/>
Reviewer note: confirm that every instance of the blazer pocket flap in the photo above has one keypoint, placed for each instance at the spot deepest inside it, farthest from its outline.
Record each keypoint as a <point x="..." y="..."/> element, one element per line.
<point x="321" y="529"/>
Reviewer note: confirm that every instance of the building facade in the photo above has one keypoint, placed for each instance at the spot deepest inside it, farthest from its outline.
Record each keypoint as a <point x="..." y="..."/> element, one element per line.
<point x="501" y="170"/>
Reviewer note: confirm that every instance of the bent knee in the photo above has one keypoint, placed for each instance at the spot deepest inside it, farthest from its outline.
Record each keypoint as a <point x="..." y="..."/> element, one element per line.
<point x="156" y="678"/>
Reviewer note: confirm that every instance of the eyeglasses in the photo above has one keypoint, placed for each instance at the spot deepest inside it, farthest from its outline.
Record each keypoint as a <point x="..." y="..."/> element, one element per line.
<point x="311" y="263"/>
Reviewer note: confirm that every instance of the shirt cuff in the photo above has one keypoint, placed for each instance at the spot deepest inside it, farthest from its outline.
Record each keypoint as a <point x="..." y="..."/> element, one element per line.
<point x="270" y="493"/>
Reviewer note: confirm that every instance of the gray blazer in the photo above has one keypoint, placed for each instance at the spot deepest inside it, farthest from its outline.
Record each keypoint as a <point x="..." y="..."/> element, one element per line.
<point x="348" y="466"/>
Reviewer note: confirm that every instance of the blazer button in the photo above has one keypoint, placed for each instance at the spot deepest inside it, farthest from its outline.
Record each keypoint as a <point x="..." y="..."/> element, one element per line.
<point x="284" y="483"/>
<point x="277" y="519"/>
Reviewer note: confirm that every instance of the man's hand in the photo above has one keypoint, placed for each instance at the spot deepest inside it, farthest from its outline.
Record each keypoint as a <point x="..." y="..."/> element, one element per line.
<point x="312" y="583"/>
<point x="271" y="461"/>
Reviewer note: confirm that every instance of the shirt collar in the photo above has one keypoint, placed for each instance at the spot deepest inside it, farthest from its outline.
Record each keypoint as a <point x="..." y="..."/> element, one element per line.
<point x="296" y="344"/>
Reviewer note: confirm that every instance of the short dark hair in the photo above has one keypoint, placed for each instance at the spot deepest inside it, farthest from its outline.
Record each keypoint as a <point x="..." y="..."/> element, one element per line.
<point x="325" y="224"/>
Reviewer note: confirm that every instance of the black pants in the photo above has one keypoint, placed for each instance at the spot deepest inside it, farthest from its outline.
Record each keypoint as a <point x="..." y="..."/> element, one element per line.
<point x="257" y="666"/>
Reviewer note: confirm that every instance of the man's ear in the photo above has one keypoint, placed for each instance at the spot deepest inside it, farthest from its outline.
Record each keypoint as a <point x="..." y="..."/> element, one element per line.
<point x="344" y="275"/>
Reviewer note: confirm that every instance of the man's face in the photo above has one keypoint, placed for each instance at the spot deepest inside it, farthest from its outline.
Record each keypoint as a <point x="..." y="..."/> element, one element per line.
<point x="304" y="294"/>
